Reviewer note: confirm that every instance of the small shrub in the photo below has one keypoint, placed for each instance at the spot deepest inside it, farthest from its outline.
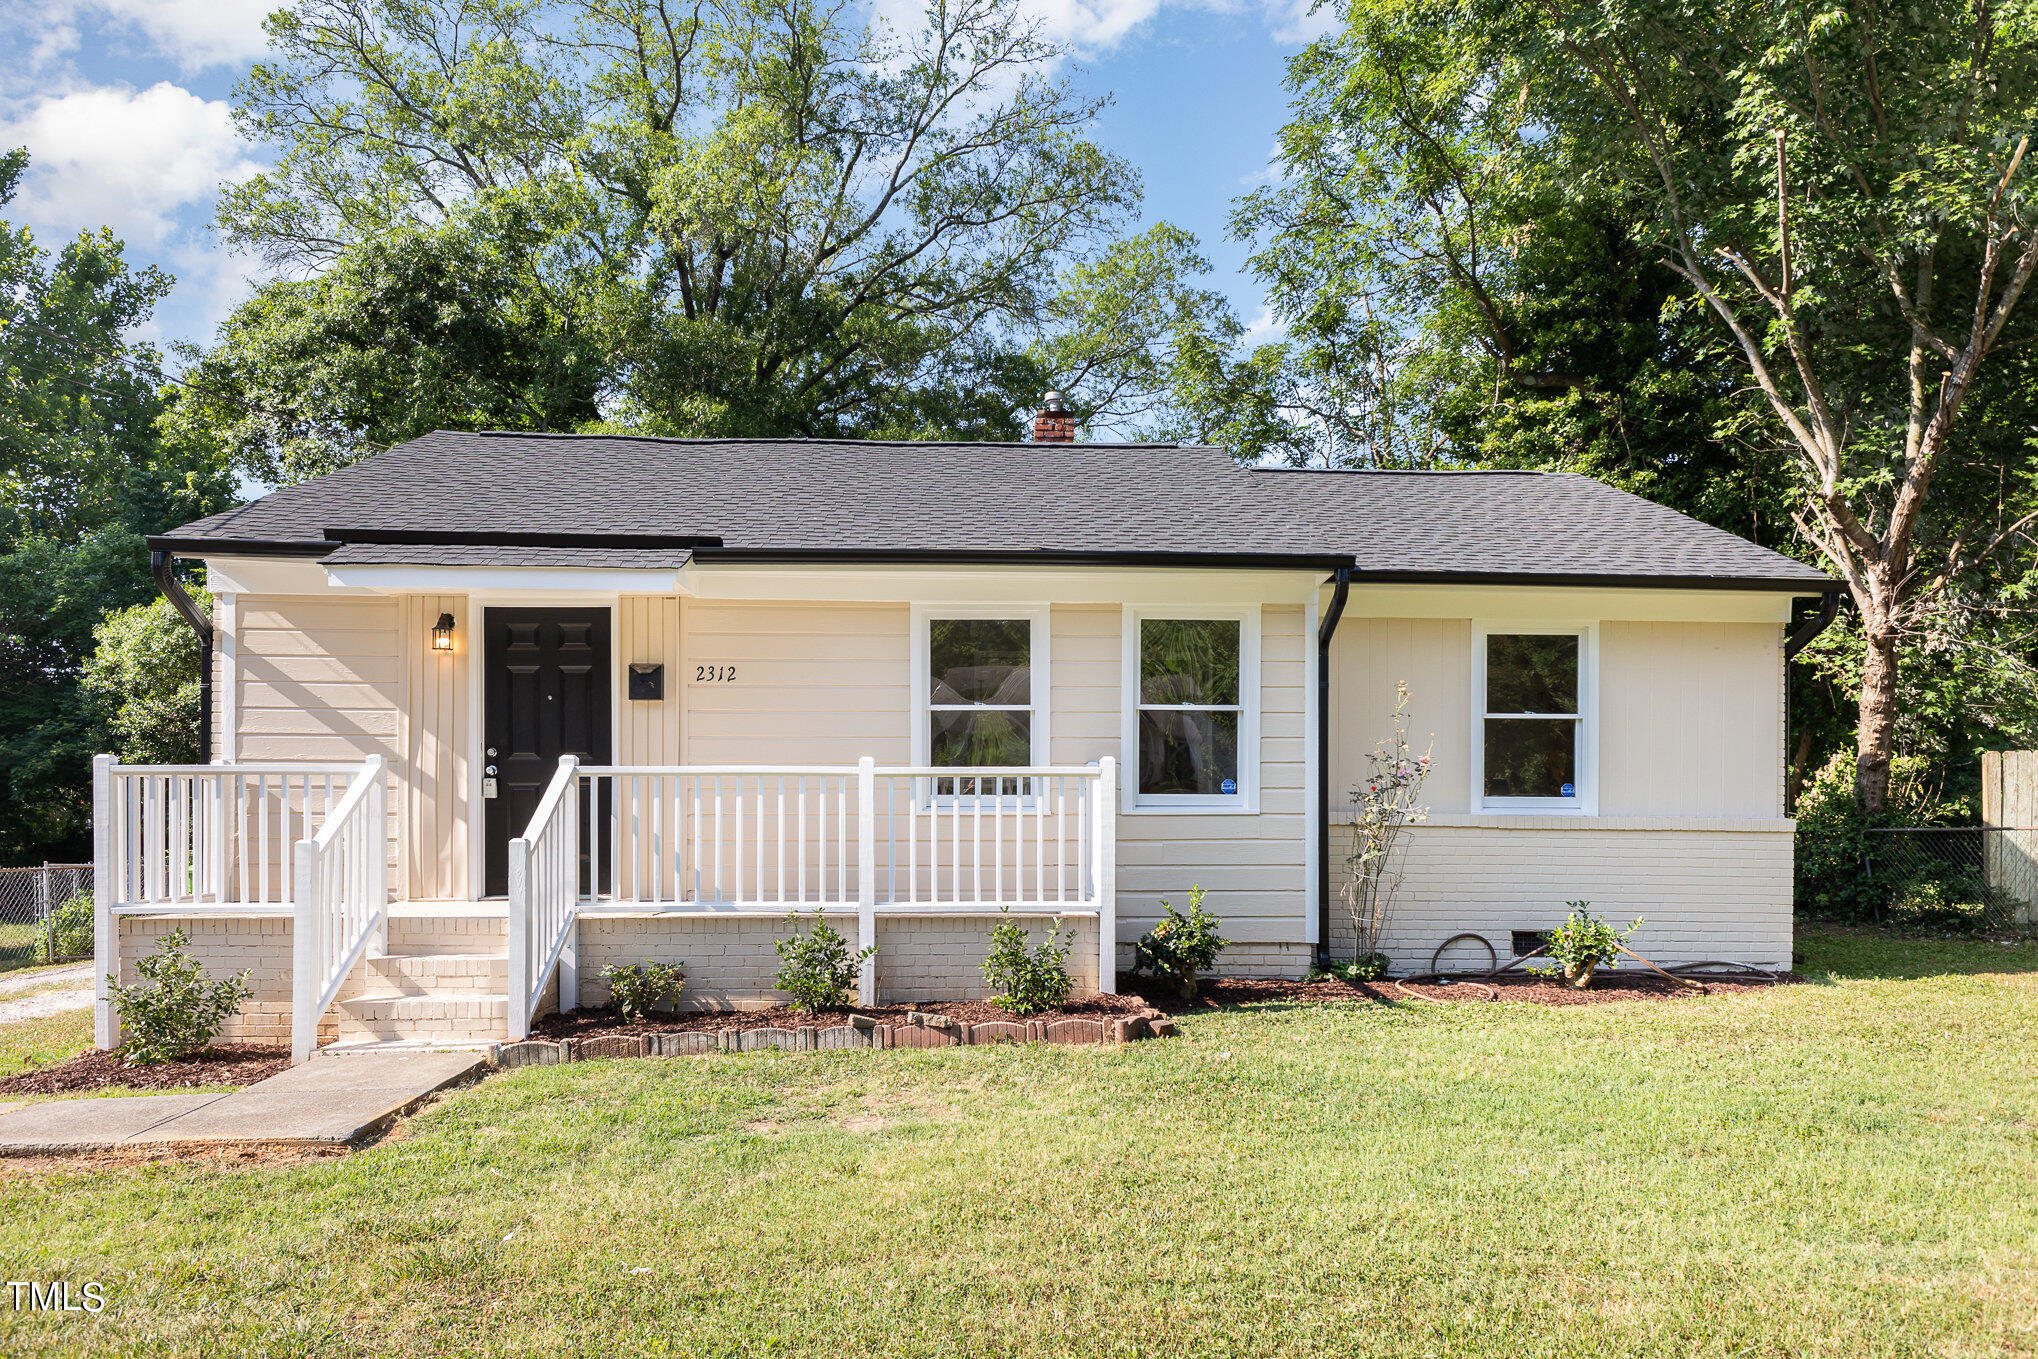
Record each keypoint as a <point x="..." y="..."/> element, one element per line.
<point x="1369" y="967"/>
<point x="1180" y="946"/>
<point x="1584" y="941"/>
<point x="68" y="932"/>
<point x="1027" y="980"/>
<point x="636" y="988"/>
<point x="173" y="1009"/>
<point x="820" y="971"/>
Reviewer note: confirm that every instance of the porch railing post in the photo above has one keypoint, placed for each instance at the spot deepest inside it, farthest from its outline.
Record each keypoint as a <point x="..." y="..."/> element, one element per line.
<point x="378" y="853"/>
<point x="569" y="956"/>
<point x="866" y="875"/>
<point x="105" y="944"/>
<point x="1105" y="875"/>
<point x="306" y="910"/>
<point x="519" y="939"/>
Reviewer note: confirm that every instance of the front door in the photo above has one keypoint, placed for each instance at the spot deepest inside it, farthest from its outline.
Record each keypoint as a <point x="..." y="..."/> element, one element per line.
<point x="547" y="695"/>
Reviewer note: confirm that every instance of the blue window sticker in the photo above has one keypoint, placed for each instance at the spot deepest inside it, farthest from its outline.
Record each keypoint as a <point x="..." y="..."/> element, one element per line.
<point x="1567" y="791"/>
<point x="1228" y="786"/>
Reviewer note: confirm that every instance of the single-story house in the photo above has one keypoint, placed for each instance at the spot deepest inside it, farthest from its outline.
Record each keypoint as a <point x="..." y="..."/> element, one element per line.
<point x="489" y="712"/>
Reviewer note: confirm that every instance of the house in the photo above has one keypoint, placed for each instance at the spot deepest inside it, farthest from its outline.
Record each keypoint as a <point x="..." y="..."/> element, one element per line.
<point x="489" y="712"/>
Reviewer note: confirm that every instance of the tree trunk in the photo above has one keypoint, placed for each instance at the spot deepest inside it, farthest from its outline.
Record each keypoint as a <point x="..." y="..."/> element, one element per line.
<point x="1876" y="743"/>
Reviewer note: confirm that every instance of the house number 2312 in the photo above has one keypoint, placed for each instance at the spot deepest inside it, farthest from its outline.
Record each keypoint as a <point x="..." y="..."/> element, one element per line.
<point x="713" y="674"/>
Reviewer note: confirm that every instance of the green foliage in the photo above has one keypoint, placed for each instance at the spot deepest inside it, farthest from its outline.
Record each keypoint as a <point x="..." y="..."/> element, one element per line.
<point x="743" y="217"/>
<point x="84" y="475"/>
<point x="143" y="677"/>
<point x="1180" y="946"/>
<point x="1367" y="967"/>
<point x="636" y="989"/>
<point x="820" y="971"/>
<point x="1845" y="872"/>
<point x="173" y="1009"/>
<point x="1586" y="941"/>
<point x="69" y="931"/>
<point x="1027" y="979"/>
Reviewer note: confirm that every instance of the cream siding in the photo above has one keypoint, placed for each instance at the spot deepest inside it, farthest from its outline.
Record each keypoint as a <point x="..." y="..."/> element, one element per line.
<point x="439" y="741"/>
<point x="1251" y="865"/>
<point x="647" y="633"/>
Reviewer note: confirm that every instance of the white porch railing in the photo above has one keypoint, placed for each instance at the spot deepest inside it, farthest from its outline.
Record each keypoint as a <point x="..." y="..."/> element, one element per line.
<point x="892" y="841"/>
<point x="340" y="903"/>
<point x="544" y="895"/>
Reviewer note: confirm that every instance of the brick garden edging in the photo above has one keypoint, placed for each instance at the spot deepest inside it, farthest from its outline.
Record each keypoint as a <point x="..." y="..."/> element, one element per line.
<point x="924" y="1031"/>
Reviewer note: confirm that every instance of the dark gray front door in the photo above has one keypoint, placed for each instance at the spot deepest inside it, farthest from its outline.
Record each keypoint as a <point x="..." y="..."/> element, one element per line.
<point x="547" y="694"/>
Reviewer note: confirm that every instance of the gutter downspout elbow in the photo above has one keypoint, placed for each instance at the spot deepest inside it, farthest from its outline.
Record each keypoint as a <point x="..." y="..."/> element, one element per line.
<point x="1324" y="633"/>
<point x="1829" y="609"/>
<point x="161" y="563"/>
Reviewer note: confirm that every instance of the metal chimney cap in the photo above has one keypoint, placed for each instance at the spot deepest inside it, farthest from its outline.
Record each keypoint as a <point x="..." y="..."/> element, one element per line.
<point x="1052" y="401"/>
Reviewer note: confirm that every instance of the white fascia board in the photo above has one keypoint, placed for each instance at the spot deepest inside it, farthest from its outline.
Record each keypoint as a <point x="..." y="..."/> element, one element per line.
<point x="1575" y="603"/>
<point x="272" y="576"/>
<point x="950" y="584"/>
<point x="521" y="580"/>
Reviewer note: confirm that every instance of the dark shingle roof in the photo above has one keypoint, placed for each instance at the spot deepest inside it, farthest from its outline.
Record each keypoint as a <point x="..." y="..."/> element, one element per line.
<point x="727" y="497"/>
<point x="498" y="554"/>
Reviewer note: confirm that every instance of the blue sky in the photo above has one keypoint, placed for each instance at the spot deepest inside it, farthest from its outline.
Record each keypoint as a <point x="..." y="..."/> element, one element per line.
<point x="124" y="106"/>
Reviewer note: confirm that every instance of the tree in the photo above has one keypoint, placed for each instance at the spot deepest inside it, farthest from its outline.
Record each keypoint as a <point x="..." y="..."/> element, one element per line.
<point x="734" y="217"/>
<point x="143" y="677"/>
<point x="1843" y="194"/>
<point x="83" y="476"/>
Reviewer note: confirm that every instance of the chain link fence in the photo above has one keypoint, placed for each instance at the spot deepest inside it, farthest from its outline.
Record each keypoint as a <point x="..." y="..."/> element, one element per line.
<point x="1983" y="877"/>
<point x="45" y="914"/>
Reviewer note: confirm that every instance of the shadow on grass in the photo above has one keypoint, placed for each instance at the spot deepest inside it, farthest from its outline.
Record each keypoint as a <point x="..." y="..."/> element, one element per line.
<point x="1828" y="952"/>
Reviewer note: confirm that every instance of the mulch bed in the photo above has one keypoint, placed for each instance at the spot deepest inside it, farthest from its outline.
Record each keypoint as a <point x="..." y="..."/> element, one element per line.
<point x="1147" y="998"/>
<point x="1607" y="988"/>
<point x="220" y="1064"/>
<point x="606" y="1023"/>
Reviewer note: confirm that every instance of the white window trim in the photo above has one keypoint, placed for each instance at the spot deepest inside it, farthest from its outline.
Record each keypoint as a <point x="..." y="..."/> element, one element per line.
<point x="1039" y="662"/>
<point x="1246" y="801"/>
<point x="1587" y="801"/>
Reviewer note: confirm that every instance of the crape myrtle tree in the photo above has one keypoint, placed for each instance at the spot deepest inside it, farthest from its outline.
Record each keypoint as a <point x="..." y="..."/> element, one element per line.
<point x="1840" y="197"/>
<point x="717" y="217"/>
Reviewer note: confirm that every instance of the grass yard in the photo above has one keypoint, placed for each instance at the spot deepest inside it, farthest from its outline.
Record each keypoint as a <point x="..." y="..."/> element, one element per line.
<point x="1842" y="1168"/>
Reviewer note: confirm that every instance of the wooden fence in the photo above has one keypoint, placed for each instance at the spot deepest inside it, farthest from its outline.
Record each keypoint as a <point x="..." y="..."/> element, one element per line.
<point x="2009" y="799"/>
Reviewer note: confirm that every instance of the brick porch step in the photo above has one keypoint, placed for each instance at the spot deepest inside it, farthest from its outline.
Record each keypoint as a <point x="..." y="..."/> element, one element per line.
<point x="418" y="935"/>
<point x="443" y="975"/>
<point x="393" y="1015"/>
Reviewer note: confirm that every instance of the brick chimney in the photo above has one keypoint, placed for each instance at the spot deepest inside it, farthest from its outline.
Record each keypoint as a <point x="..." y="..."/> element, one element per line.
<point x="1055" y="424"/>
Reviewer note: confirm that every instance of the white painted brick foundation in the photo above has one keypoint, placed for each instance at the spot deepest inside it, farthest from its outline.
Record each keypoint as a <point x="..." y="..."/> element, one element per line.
<point x="223" y="946"/>
<point x="1721" y="891"/>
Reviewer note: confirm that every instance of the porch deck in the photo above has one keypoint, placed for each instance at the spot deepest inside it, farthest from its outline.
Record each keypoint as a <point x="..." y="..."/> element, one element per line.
<point x="615" y="863"/>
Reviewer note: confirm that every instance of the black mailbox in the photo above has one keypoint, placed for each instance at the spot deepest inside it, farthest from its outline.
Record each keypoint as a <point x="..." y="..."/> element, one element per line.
<point x="647" y="681"/>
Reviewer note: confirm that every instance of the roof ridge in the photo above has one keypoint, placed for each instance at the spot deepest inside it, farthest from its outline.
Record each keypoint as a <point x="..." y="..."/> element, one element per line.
<point x="810" y="439"/>
<point x="1420" y="471"/>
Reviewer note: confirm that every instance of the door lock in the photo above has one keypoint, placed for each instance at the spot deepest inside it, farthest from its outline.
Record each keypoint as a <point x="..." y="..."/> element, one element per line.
<point x="490" y="771"/>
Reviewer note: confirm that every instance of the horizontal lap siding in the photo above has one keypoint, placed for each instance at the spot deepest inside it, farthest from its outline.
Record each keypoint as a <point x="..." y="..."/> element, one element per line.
<point x="815" y="683"/>
<point x="326" y="679"/>
<point x="1252" y="866"/>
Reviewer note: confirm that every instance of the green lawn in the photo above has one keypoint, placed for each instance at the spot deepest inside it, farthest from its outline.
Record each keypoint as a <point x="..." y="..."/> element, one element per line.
<point x="1843" y="1168"/>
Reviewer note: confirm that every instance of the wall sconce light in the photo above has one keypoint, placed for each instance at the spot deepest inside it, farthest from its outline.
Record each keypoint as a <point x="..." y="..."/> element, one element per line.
<point x="442" y="633"/>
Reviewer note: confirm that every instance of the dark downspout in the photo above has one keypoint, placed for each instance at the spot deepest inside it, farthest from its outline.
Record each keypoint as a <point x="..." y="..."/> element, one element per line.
<point x="1829" y="609"/>
<point x="160" y="564"/>
<point x="1323" y="635"/>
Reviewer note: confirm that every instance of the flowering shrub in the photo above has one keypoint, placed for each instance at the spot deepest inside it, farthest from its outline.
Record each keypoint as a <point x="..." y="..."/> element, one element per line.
<point x="1388" y="802"/>
<point x="1180" y="946"/>
<point x="636" y="988"/>
<point x="1027" y="980"/>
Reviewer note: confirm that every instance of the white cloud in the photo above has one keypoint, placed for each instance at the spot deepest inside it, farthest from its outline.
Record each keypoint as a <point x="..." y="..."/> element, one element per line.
<point x="1265" y="328"/>
<point x="129" y="160"/>
<point x="193" y="33"/>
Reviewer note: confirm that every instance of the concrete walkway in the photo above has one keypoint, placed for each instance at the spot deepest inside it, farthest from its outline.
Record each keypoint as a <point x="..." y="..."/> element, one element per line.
<point x="329" y="1101"/>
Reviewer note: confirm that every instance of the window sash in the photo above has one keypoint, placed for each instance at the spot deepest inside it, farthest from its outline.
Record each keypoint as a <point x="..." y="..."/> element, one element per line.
<point x="1581" y="720"/>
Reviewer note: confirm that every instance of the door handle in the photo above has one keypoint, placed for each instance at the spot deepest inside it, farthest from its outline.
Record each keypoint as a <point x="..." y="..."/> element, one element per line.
<point x="490" y="771"/>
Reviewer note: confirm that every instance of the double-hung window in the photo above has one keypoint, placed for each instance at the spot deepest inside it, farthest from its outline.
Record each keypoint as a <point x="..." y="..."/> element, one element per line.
<point x="1192" y="716"/>
<point x="982" y="703"/>
<point x="1533" y="747"/>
